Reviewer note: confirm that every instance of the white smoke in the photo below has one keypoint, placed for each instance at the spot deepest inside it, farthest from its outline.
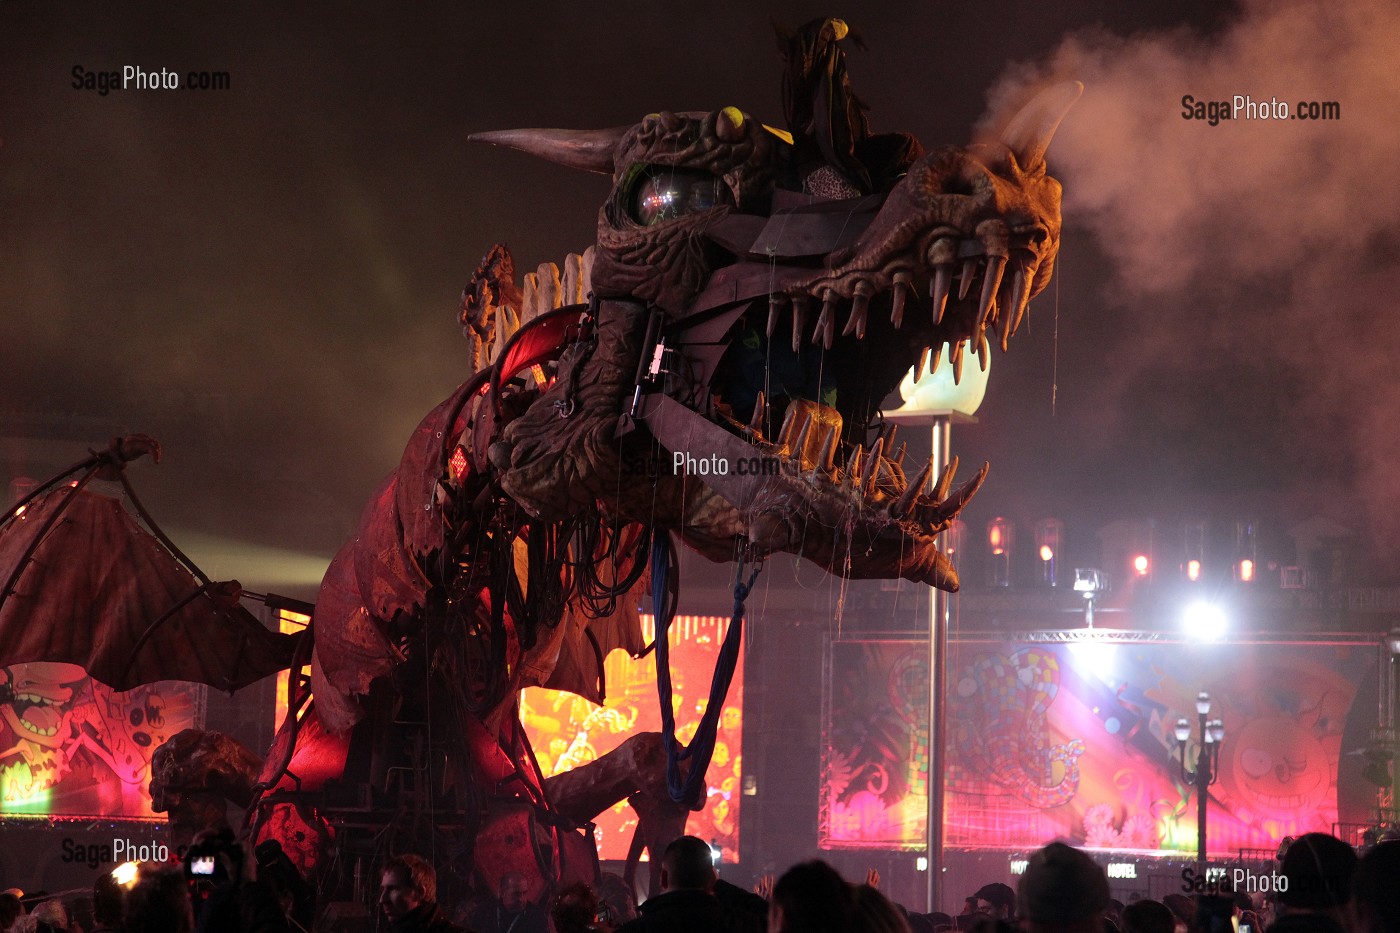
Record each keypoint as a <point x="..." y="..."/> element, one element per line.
<point x="1273" y="243"/>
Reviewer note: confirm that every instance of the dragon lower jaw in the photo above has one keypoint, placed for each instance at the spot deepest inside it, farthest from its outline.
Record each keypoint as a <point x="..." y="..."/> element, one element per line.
<point x="861" y="520"/>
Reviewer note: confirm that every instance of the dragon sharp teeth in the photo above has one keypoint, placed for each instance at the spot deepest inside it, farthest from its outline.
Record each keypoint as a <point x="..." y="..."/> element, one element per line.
<point x="938" y="290"/>
<point x="775" y="310"/>
<point x="957" y="363"/>
<point x="984" y="352"/>
<point x="760" y="415"/>
<point x="945" y="480"/>
<point x="969" y="271"/>
<point x="799" y="321"/>
<point x="786" y="430"/>
<point x="826" y="321"/>
<point x="826" y="460"/>
<point x="899" y="455"/>
<point x="991" y="281"/>
<point x="1021" y="295"/>
<point x="860" y="307"/>
<point x="799" y="443"/>
<point x="905" y="503"/>
<point x="902" y="283"/>
<point x="872" y="468"/>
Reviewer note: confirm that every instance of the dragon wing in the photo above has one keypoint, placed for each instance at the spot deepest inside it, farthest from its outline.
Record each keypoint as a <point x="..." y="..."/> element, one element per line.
<point x="81" y="581"/>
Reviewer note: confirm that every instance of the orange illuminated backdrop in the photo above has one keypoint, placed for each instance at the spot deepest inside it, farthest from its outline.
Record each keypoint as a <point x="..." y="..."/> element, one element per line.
<point x="288" y="623"/>
<point x="567" y="730"/>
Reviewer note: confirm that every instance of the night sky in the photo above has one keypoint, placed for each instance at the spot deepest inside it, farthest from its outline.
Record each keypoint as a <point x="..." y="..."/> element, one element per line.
<point x="267" y="277"/>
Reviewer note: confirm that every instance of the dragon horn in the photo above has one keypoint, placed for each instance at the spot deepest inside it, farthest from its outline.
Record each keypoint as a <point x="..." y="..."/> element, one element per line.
<point x="1033" y="127"/>
<point x="590" y="150"/>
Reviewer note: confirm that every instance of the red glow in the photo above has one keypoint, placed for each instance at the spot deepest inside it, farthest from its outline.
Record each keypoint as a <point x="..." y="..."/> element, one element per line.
<point x="458" y="463"/>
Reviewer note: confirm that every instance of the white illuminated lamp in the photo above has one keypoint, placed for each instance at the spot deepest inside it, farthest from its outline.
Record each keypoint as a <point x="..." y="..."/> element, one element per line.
<point x="1246" y="570"/>
<point x="937" y="393"/>
<point x="1140" y="565"/>
<point x="1215" y="731"/>
<point x="1204" y="621"/>
<point x="1203" y="703"/>
<point x="1183" y="730"/>
<point x="1392" y="642"/>
<point x="1193" y="570"/>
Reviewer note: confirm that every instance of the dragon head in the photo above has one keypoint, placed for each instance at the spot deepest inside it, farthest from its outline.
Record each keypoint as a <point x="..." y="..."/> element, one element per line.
<point x="757" y="294"/>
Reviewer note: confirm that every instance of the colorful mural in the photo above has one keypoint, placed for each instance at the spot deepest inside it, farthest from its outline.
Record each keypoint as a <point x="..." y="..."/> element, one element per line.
<point x="567" y="730"/>
<point x="70" y="746"/>
<point x="1074" y="740"/>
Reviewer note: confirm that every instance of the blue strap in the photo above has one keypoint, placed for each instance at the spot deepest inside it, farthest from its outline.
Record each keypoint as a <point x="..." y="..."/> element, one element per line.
<point x="690" y="791"/>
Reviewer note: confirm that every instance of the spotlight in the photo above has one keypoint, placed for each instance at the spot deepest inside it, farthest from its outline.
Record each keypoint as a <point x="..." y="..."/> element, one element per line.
<point x="1140" y="565"/>
<point x="1204" y="621"/>
<point x="1193" y="570"/>
<point x="125" y="874"/>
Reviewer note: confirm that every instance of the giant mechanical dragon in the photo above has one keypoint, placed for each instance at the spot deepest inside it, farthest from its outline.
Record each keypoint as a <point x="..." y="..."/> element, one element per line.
<point x="752" y="292"/>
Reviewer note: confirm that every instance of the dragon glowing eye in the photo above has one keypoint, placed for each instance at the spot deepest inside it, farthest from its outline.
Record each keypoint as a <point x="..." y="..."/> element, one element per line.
<point x="664" y="194"/>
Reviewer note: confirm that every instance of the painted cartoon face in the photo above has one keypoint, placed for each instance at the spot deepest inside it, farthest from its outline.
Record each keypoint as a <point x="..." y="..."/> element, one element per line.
<point x="1278" y="767"/>
<point x="39" y="710"/>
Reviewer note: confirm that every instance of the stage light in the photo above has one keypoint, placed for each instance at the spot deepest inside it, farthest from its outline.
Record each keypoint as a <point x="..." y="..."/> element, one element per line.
<point x="921" y="863"/>
<point x="1204" y="621"/>
<point x="716" y="853"/>
<point x="1246" y="571"/>
<point x="1193" y="570"/>
<point x="125" y="874"/>
<point x="1089" y="581"/>
<point x="999" y="535"/>
<point x="1046" y="554"/>
<point x="1140" y="565"/>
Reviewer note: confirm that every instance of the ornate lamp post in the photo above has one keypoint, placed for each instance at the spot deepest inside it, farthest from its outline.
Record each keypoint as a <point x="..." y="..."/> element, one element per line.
<point x="938" y="400"/>
<point x="1206" y="770"/>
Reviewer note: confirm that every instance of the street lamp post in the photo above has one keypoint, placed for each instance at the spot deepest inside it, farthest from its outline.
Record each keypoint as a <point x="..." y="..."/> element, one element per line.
<point x="938" y="400"/>
<point x="1206" y="770"/>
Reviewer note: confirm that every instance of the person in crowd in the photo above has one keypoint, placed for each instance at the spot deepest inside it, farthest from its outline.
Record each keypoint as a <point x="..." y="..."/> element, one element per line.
<point x="687" y="902"/>
<point x="995" y="900"/>
<point x="10" y="909"/>
<point x="49" y="917"/>
<point x="618" y="904"/>
<point x="408" y="897"/>
<point x="941" y="922"/>
<point x="1149" y="916"/>
<point x="1319" y="871"/>
<point x="159" y="903"/>
<point x="811" y="897"/>
<point x="872" y="912"/>
<point x="575" y="910"/>
<point x="108" y="904"/>
<point x="1062" y="891"/>
<point x="1183" y="911"/>
<point x="1376" y="890"/>
<point x="512" y="912"/>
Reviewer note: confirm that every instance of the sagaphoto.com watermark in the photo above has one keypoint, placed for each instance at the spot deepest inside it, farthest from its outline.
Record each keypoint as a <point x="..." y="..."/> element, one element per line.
<point x="136" y="78"/>
<point x="1245" y="107"/>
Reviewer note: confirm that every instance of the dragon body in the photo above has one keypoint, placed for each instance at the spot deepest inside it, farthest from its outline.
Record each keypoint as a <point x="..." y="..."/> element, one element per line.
<point x="751" y="294"/>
